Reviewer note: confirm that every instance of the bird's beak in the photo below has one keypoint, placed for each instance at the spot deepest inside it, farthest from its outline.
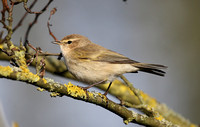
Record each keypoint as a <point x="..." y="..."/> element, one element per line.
<point x="56" y="42"/>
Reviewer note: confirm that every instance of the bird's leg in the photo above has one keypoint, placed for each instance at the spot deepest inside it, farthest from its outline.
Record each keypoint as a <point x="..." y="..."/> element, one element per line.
<point x="85" y="88"/>
<point x="107" y="89"/>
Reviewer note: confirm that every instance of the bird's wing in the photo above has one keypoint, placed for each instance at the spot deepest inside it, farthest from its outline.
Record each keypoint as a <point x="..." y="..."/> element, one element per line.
<point x="98" y="53"/>
<point x="113" y="57"/>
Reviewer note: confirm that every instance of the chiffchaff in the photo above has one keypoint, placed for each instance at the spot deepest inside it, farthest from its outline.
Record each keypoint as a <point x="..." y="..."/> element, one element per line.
<point x="94" y="64"/>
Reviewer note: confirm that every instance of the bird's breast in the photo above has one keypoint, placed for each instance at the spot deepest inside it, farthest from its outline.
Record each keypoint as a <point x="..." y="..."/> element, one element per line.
<point x="93" y="71"/>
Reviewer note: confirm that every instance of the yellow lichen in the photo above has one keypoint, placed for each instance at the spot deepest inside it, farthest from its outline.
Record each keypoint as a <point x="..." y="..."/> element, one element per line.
<point x="128" y="120"/>
<point x="5" y="71"/>
<point x="1" y="45"/>
<point x="120" y="89"/>
<point x="65" y="85"/>
<point x="12" y="46"/>
<point x="22" y="62"/>
<point x="24" y="69"/>
<point x="150" y="101"/>
<point x="40" y="89"/>
<point x="75" y="91"/>
<point x="193" y="125"/>
<point x="103" y="97"/>
<point x="44" y="80"/>
<point x="27" y="75"/>
<point x="54" y="94"/>
<point x="159" y="117"/>
<point x="24" y="74"/>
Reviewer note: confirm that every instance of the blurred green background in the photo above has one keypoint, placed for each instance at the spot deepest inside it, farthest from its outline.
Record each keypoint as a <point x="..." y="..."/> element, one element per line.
<point x="152" y="31"/>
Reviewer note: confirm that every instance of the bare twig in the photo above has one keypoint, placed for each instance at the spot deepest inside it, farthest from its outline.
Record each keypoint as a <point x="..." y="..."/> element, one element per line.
<point x="46" y="54"/>
<point x="42" y="69"/>
<point x="5" y="7"/>
<point x="1" y="35"/>
<point x="23" y="17"/>
<point x="27" y="42"/>
<point x="39" y="52"/>
<point x="3" y="11"/>
<point x="29" y="61"/>
<point x="35" y="56"/>
<point x="9" y="19"/>
<point x="6" y="52"/>
<point x="53" y="11"/>
<point x="135" y="91"/>
<point x="35" y="20"/>
<point x="29" y="9"/>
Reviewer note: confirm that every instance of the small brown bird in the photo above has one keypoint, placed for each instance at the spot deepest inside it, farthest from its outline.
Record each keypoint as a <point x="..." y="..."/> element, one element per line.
<point x="94" y="64"/>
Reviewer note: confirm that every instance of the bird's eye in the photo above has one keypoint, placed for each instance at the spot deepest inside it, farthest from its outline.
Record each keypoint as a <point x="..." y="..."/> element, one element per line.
<point x="69" y="42"/>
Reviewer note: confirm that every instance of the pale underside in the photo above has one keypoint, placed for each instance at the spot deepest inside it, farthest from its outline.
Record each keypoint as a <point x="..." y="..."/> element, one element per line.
<point x="94" y="71"/>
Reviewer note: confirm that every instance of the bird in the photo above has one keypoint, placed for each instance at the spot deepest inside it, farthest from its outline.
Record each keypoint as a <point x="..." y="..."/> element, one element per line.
<point x="94" y="64"/>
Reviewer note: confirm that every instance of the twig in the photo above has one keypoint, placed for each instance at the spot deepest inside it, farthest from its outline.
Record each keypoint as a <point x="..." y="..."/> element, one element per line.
<point x="1" y="35"/>
<point x="27" y="42"/>
<point x="5" y="7"/>
<point x="3" y="11"/>
<point x="135" y="91"/>
<point x="40" y="52"/>
<point x="45" y="54"/>
<point x="10" y="21"/>
<point x="29" y="9"/>
<point x="148" y="110"/>
<point x="35" y="20"/>
<point x="42" y="69"/>
<point x="35" y="56"/>
<point x="143" y="107"/>
<point x="6" y="52"/>
<point x="53" y="11"/>
<point x="23" y="17"/>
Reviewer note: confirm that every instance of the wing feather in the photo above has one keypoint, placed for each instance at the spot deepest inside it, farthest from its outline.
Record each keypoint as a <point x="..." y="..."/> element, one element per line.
<point x="101" y="54"/>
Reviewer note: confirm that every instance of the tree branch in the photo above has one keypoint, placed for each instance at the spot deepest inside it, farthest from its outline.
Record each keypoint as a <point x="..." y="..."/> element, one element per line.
<point x="119" y="90"/>
<point x="70" y="90"/>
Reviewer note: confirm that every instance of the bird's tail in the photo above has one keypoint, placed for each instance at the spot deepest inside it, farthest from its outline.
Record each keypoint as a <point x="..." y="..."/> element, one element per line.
<point x="151" y="68"/>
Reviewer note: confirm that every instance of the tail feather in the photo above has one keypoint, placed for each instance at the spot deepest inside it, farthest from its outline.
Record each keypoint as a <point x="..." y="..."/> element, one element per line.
<point x="151" y="68"/>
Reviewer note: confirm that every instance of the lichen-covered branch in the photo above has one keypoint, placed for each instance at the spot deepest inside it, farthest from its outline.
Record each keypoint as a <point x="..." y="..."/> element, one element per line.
<point x="70" y="90"/>
<point x="119" y="90"/>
